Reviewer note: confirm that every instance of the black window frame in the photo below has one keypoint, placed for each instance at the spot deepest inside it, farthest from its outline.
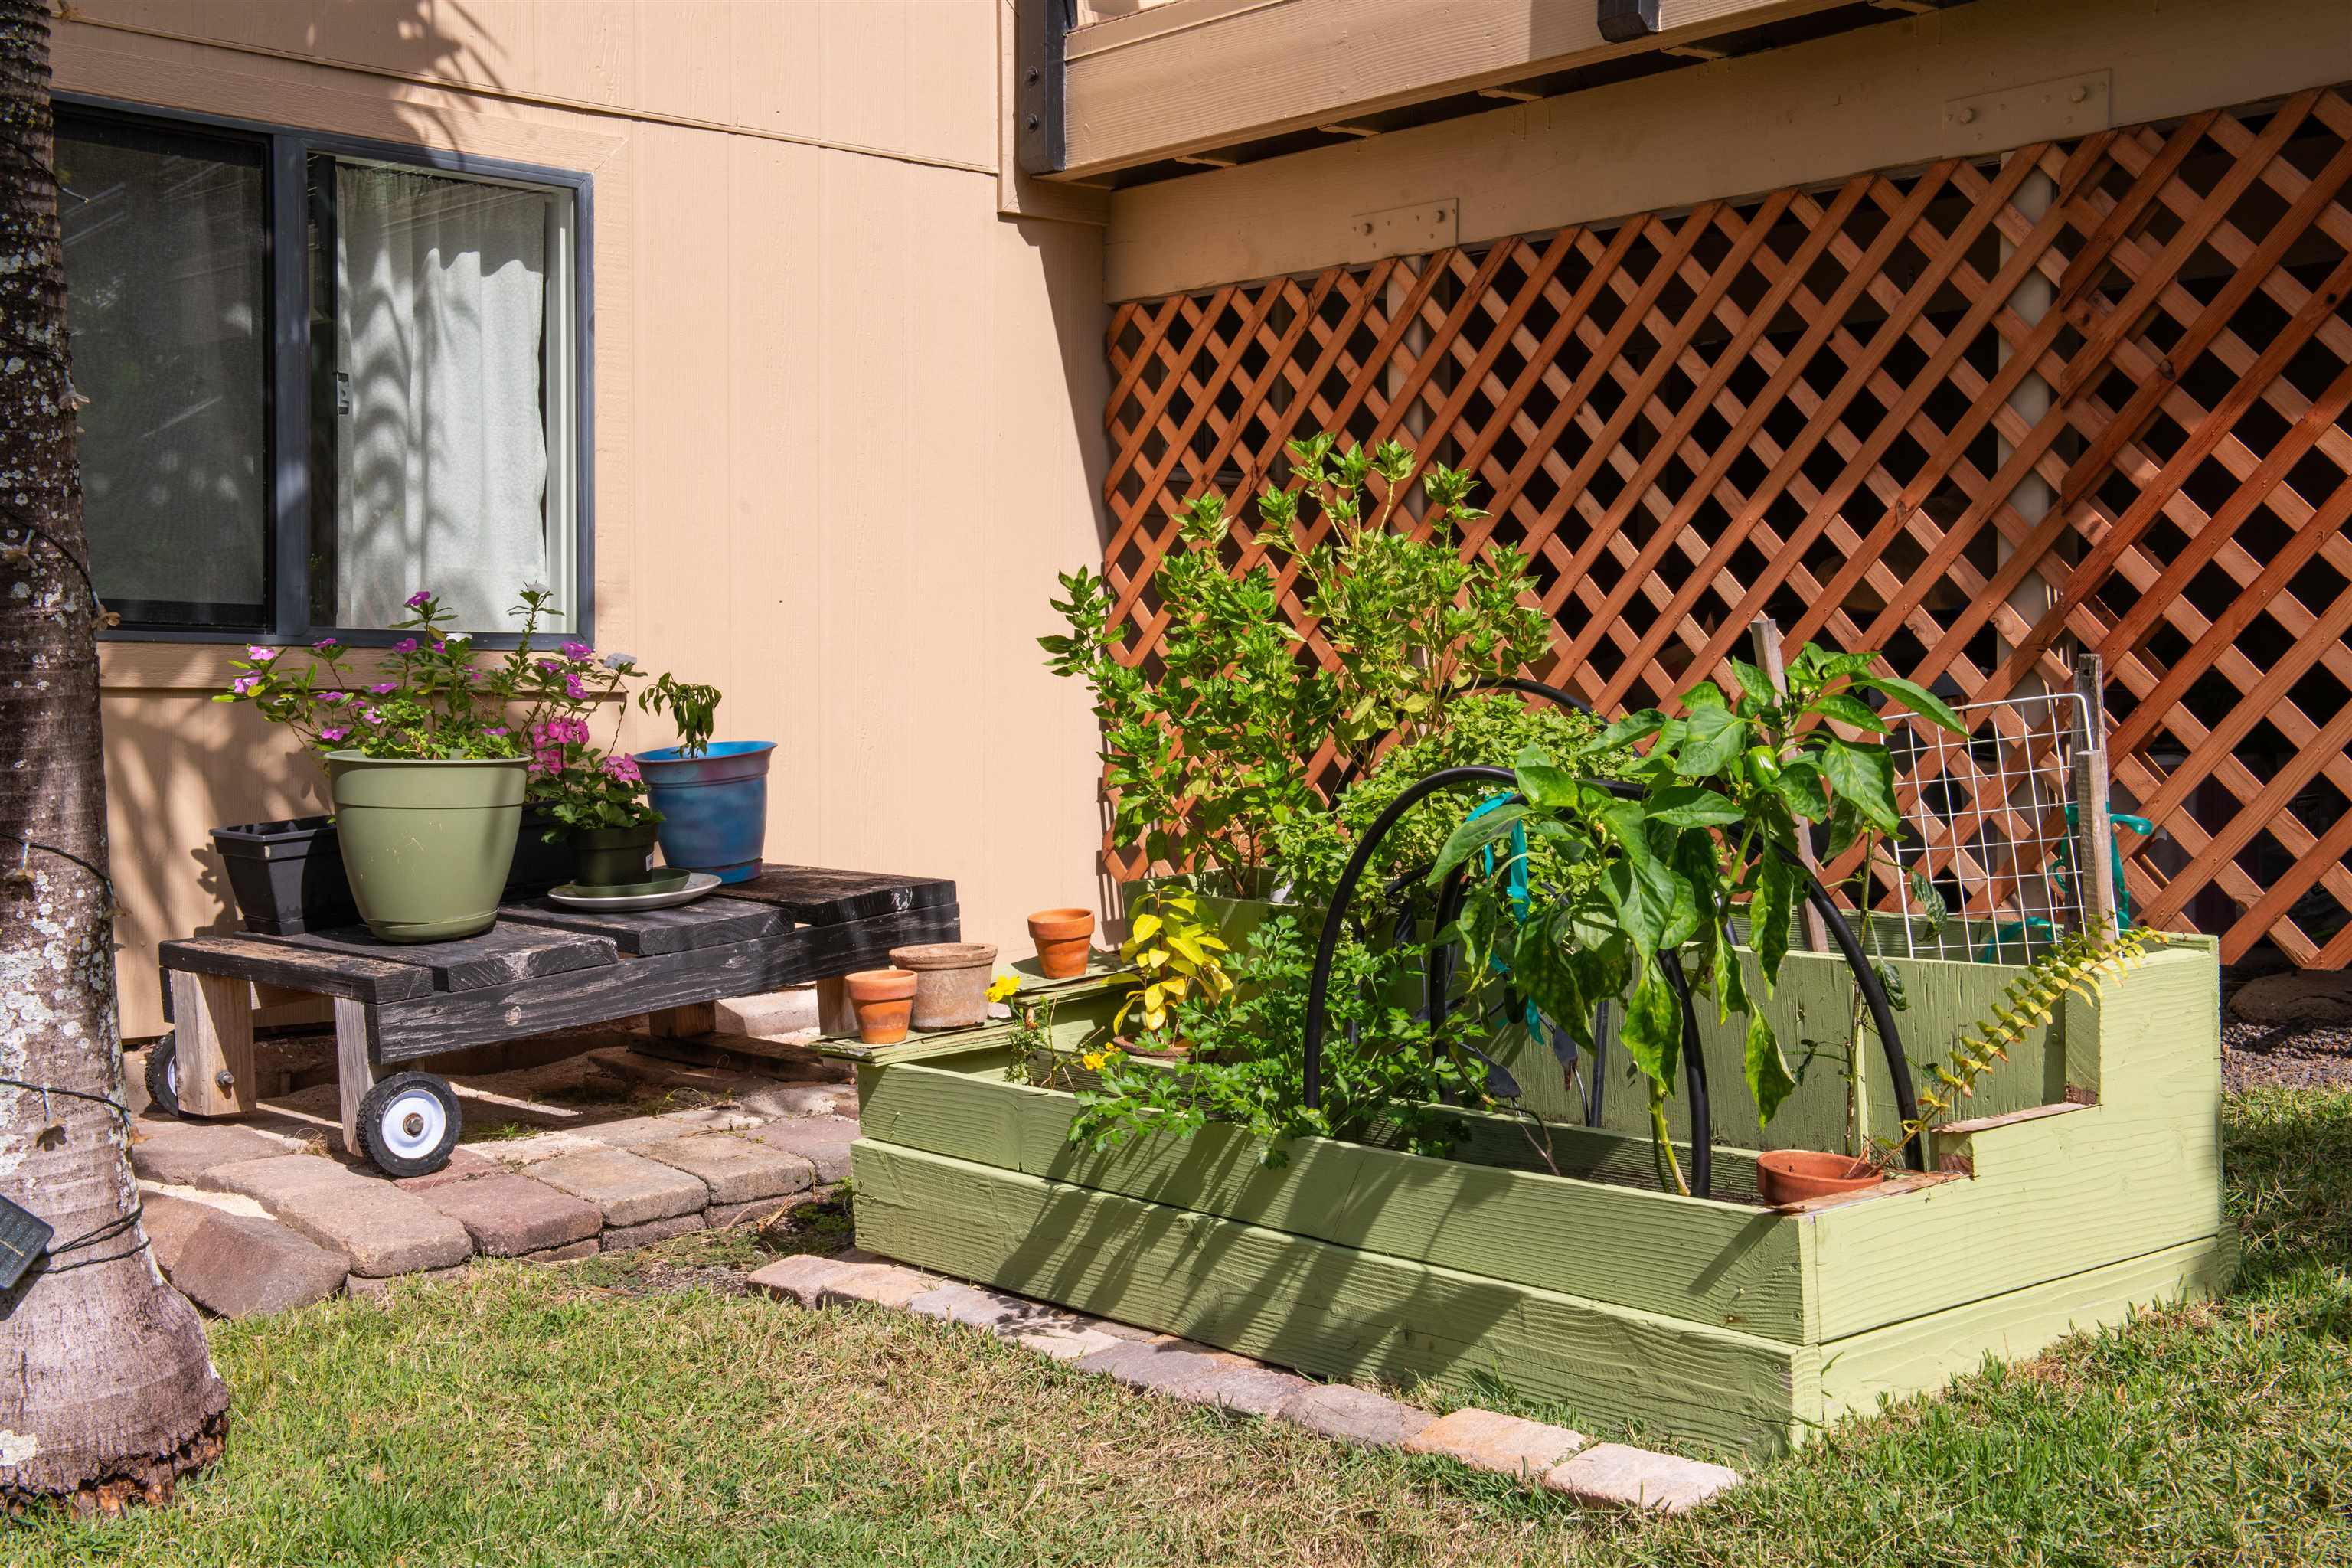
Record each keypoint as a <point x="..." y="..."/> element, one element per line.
<point x="286" y="356"/>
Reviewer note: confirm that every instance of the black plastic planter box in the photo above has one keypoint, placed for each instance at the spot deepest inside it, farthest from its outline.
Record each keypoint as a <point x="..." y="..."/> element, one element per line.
<point x="288" y="875"/>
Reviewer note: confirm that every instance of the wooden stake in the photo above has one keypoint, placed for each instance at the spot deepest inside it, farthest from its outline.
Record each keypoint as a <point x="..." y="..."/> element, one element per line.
<point x="2095" y="833"/>
<point x="1764" y="634"/>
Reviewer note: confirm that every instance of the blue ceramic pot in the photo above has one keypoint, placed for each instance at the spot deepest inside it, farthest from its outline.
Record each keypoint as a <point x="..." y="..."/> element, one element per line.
<point x="714" y="806"/>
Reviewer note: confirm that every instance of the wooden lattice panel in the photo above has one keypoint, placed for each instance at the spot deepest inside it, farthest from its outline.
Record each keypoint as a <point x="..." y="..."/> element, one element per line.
<point x="2087" y="396"/>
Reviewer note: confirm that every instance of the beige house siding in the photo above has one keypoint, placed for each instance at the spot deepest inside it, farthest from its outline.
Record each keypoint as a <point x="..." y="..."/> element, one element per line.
<point x="848" y="422"/>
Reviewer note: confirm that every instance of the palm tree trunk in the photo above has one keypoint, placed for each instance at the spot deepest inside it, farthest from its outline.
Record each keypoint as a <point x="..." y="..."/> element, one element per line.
<point x="106" y="1391"/>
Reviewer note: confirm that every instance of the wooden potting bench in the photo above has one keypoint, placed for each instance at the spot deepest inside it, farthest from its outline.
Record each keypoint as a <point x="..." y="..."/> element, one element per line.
<point x="539" y="968"/>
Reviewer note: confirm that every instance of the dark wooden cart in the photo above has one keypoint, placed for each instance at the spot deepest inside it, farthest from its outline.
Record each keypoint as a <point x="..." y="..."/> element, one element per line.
<point x="540" y="968"/>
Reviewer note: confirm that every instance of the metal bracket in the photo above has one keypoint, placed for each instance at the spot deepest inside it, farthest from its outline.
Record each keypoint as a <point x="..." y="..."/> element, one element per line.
<point x="1628" y="21"/>
<point x="1041" y="27"/>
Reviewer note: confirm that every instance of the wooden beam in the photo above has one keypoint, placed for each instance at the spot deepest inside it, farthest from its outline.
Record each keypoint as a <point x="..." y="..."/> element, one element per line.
<point x="1193" y="76"/>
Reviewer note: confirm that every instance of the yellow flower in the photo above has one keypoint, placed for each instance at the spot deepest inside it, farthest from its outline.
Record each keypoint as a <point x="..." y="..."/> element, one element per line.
<point x="1092" y="1060"/>
<point x="1002" y="988"/>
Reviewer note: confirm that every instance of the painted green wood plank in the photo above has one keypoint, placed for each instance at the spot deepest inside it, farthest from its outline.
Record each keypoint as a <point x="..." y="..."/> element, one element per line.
<point x="2138" y="1172"/>
<point x="1924" y="1353"/>
<point x="1712" y="1262"/>
<point x="1333" y="1311"/>
<point x="1813" y="1002"/>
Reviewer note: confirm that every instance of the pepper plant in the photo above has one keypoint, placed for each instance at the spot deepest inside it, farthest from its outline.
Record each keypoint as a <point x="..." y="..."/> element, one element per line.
<point x="1723" y="792"/>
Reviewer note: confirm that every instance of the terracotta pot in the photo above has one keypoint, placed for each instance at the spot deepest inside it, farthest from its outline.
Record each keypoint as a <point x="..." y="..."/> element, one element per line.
<point x="884" y="998"/>
<point x="1064" y="938"/>
<point x="1790" y="1176"/>
<point x="950" y="981"/>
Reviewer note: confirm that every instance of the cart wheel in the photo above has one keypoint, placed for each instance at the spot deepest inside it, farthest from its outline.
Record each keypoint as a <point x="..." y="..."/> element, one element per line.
<point x="163" y="1074"/>
<point x="409" y="1123"/>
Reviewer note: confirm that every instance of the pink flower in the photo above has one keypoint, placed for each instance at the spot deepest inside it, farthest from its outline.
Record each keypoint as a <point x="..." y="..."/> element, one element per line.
<point x="419" y="599"/>
<point x="333" y="698"/>
<point x="333" y="732"/>
<point x="579" y="651"/>
<point x="326" y="645"/>
<point x="572" y="687"/>
<point x="623" y="769"/>
<point x="549" y="667"/>
<point x="260" y="655"/>
<point x="384" y="688"/>
<point x="495" y="730"/>
<point x="245" y="683"/>
<point x="405" y="644"/>
<point x="370" y="716"/>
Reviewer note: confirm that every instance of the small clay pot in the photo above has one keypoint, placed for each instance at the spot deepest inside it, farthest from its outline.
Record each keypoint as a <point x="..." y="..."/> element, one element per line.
<point x="883" y="997"/>
<point x="950" y="981"/>
<point x="1792" y="1176"/>
<point x="1064" y="940"/>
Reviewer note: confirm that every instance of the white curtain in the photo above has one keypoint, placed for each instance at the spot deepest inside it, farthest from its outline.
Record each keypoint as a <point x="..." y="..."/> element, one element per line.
<point x="442" y="464"/>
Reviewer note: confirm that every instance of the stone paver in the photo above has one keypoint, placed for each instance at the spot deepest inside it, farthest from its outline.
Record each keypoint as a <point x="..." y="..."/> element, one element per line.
<point x="788" y="1100"/>
<point x="463" y="1165"/>
<point x="629" y="1189"/>
<point x="380" y="1228"/>
<point x="169" y="1149"/>
<point x="633" y="1131"/>
<point x="1065" y="1345"/>
<point x="736" y="1169"/>
<point x="169" y="1222"/>
<point x="883" y="1284"/>
<point x="620" y="1238"/>
<point x="1639" y="1478"/>
<point x="823" y="1140"/>
<point x="1199" y="1379"/>
<point x="1353" y="1415"/>
<point x="993" y="1313"/>
<point x="769" y="1012"/>
<point x="510" y="1215"/>
<point x="240" y="1267"/>
<point x="1505" y="1444"/>
<point x="379" y="1290"/>
<point x="720" y="1215"/>
<point x="800" y="1278"/>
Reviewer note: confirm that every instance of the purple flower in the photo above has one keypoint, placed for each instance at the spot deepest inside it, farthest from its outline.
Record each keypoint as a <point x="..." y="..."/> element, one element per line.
<point x="245" y="683"/>
<point x="370" y="716"/>
<point x="260" y="655"/>
<point x="333" y="732"/>
<point x="384" y="688"/>
<point x="405" y="644"/>
<point x="326" y="645"/>
<point x="419" y="599"/>
<point x="572" y="687"/>
<point x="495" y="730"/>
<point x="333" y="698"/>
<point x="549" y="666"/>
<point x="579" y="651"/>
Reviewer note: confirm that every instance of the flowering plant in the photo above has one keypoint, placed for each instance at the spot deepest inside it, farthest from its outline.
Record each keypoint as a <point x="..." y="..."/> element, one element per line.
<point x="427" y="701"/>
<point x="583" y="785"/>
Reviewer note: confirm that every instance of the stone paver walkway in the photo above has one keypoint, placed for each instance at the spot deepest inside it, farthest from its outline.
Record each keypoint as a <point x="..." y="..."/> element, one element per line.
<point x="607" y="1149"/>
<point x="1536" y="1453"/>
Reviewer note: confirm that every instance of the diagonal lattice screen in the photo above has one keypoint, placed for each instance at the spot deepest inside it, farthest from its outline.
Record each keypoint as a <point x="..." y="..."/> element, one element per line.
<point x="2089" y="396"/>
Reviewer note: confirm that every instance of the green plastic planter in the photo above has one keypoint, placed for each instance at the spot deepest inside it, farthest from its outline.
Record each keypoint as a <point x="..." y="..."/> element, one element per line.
<point x="426" y="844"/>
<point x="612" y="857"/>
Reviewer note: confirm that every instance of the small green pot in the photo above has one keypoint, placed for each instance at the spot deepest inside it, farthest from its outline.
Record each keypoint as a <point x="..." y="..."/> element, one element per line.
<point x="612" y="857"/>
<point x="426" y="844"/>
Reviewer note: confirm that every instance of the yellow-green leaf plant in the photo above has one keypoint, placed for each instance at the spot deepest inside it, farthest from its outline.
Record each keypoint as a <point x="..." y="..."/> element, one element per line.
<point x="1176" y="957"/>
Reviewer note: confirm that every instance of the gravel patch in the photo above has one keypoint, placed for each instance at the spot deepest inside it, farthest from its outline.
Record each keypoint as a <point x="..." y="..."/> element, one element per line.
<point x="2259" y="1055"/>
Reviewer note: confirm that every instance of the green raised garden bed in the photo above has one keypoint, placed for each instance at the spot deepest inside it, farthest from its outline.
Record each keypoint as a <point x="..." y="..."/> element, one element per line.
<point x="2089" y="1185"/>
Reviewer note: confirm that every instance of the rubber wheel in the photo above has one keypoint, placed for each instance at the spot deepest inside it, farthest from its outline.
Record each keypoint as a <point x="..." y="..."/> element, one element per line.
<point x="409" y="1124"/>
<point x="163" y="1075"/>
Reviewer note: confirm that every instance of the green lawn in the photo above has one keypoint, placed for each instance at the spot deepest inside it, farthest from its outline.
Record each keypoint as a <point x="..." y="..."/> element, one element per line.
<point x="626" y="1415"/>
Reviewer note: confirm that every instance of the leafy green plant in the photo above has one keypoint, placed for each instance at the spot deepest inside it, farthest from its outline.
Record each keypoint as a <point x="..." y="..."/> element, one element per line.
<point x="1175" y="955"/>
<point x="694" y="709"/>
<point x="1411" y="624"/>
<point x="1722" y="793"/>
<point x="1203" y="754"/>
<point x="1247" y="1063"/>
<point x="2079" y="962"/>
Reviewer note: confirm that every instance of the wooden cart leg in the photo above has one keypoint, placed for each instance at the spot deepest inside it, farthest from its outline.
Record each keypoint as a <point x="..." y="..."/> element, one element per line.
<point x="690" y="1022"/>
<point x="354" y="1069"/>
<point x="212" y="1023"/>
